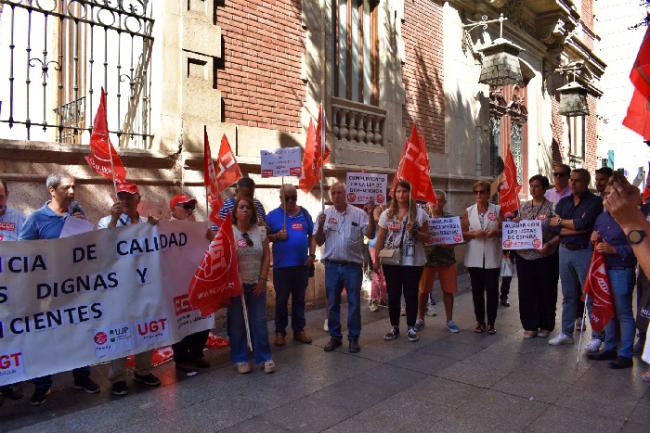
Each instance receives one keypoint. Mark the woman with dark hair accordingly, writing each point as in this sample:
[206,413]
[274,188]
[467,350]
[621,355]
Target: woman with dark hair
[399,251]
[253,258]
[482,229]
[538,269]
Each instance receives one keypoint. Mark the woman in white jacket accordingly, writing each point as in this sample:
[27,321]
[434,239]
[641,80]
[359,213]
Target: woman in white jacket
[482,230]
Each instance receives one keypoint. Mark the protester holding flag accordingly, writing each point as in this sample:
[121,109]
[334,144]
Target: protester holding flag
[441,264]
[610,240]
[482,229]
[537,269]
[291,227]
[253,257]
[124,212]
[245,187]
[341,229]
[574,220]
[47,223]
[403,229]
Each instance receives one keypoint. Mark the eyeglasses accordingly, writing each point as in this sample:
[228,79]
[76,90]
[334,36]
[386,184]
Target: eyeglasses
[189,207]
[248,240]
[481,191]
[291,197]
[556,174]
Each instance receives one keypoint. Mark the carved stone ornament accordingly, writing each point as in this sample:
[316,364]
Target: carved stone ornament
[498,105]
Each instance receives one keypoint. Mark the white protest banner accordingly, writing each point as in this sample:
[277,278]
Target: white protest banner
[524,235]
[445,231]
[285,161]
[366,188]
[81,300]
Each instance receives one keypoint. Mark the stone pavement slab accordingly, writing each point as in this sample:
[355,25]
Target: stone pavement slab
[465,383]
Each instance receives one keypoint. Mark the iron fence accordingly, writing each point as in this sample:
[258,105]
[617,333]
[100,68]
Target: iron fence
[57,54]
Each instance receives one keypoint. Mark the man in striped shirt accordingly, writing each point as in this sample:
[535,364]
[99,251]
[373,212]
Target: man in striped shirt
[245,188]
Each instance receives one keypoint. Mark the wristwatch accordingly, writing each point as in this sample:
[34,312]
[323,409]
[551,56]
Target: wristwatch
[635,237]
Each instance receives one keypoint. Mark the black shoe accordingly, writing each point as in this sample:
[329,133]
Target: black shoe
[120,389]
[620,363]
[504,302]
[393,334]
[187,368]
[39,396]
[11,393]
[354,345]
[607,355]
[332,344]
[87,385]
[146,379]
[201,363]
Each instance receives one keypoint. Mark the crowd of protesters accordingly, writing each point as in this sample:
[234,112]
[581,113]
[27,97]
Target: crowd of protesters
[404,265]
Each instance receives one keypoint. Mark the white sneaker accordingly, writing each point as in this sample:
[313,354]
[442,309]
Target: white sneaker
[560,339]
[593,346]
[431,311]
[326,328]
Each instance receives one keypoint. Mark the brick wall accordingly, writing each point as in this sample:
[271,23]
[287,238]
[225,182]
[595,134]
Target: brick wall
[591,138]
[423,72]
[259,77]
[587,13]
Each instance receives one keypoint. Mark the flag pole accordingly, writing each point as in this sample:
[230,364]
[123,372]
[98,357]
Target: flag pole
[207,200]
[248,329]
[284,205]
[322,158]
[110,156]
[584,317]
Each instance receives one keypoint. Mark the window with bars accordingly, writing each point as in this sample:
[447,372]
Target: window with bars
[357,48]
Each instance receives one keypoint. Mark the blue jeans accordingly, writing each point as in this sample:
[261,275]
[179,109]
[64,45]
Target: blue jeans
[622,281]
[291,281]
[338,276]
[256,308]
[45,382]
[574,265]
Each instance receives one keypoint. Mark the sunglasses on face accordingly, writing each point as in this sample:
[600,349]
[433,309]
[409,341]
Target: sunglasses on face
[556,174]
[189,207]
[247,238]
[291,197]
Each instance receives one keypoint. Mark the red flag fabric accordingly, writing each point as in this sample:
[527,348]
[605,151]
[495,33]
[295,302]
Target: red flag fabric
[220,175]
[315,156]
[638,115]
[509,191]
[414,168]
[101,149]
[640,74]
[216,280]
[599,289]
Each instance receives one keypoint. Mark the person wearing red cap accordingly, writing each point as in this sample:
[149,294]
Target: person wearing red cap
[124,212]
[188,353]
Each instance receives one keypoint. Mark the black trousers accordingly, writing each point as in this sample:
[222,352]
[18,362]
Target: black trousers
[538,292]
[485,280]
[190,348]
[402,280]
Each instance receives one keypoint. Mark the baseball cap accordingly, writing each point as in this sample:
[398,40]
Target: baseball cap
[181,199]
[129,187]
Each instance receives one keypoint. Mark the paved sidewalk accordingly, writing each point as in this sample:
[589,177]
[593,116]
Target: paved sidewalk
[445,383]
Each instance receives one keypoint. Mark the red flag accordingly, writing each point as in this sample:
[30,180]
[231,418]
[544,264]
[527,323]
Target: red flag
[217,177]
[509,191]
[101,149]
[640,74]
[598,288]
[313,159]
[638,115]
[414,168]
[216,280]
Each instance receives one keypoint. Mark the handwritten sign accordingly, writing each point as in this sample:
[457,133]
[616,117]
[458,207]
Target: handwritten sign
[445,231]
[284,161]
[366,188]
[524,235]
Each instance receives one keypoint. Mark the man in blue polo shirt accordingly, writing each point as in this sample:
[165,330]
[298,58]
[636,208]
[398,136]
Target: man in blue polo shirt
[47,223]
[290,230]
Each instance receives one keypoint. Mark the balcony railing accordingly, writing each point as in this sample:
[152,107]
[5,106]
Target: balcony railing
[357,124]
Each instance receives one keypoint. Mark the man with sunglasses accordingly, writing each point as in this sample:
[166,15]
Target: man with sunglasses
[574,221]
[290,230]
[561,189]
[188,353]
[341,229]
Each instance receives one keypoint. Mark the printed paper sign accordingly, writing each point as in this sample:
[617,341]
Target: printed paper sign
[524,235]
[445,231]
[285,161]
[366,188]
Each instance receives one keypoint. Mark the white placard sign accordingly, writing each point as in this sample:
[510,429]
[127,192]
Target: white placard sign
[94,297]
[445,231]
[366,188]
[285,161]
[524,235]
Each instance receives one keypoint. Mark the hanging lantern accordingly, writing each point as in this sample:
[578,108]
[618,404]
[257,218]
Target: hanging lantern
[501,63]
[573,100]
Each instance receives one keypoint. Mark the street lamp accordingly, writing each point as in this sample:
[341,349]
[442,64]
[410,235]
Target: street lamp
[500,60]
[573,96]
